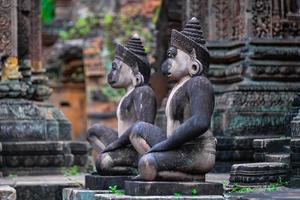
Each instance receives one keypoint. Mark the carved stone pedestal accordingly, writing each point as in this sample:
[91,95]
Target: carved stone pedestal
[98,182]
[257,174]
[139,188]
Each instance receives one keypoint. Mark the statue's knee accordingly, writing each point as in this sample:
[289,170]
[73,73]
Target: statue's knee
[104,162]
[137,131]
[93,131]
[148,167]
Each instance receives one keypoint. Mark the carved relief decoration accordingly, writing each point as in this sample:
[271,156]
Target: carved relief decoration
[261,16]
[5,24]
[199,9]
[275,18]
[35,38]
[23,28]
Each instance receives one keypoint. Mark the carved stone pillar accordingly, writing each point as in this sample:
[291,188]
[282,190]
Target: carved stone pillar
[9,66]
[39,80]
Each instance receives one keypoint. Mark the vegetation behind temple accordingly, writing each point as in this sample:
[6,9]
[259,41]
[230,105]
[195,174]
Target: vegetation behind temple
[114,27]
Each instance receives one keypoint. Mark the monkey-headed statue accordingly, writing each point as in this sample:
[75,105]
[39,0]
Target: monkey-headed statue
[187,151]
[130,70]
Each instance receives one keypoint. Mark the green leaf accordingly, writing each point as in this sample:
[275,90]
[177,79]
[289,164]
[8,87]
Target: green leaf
[107,20]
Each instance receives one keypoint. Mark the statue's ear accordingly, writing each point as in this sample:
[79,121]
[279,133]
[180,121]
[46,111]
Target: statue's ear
[196,68]
[193,54]
[138,77]
[135,68]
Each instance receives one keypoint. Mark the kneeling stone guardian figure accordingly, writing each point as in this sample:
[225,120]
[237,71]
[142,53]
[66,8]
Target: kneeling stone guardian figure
[187,151]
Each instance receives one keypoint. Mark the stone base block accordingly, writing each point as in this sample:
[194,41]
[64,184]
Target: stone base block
[7,193]
[170,197]
[81,194]
[157,188]
[97,182]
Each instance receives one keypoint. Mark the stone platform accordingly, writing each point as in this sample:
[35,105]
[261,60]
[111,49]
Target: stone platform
[41,187]
[170,197]
[42,157]
[159,188]
[98,182]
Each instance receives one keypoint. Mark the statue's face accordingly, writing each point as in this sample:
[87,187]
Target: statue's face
[120,75]
[177,64]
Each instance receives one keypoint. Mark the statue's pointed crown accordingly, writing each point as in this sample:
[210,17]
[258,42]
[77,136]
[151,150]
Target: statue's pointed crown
[134,52]
[191,37]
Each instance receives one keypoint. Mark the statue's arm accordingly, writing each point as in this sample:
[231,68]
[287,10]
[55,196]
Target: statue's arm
[145,110]
[145,104]
[202,104]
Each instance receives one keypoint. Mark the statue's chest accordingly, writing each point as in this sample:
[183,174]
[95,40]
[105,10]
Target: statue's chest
[178,106]
[125,108]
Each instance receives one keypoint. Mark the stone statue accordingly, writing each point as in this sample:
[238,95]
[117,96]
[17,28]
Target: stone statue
[130,70]
[187,151]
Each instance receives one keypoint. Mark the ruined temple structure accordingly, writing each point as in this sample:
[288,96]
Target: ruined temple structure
[35,135]
[254,47]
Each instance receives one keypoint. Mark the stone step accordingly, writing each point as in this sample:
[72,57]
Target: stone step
[284,158]
[272,145]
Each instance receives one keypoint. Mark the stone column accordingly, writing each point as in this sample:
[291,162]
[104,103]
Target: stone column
[8,49]
[39,80]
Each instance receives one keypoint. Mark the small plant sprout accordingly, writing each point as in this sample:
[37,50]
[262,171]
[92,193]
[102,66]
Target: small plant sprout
[114,190]
[72,171]
[12,175]
[177,194]
[194,191]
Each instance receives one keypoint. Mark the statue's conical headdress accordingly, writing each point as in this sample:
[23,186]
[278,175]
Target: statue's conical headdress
[191,37]
[134,52]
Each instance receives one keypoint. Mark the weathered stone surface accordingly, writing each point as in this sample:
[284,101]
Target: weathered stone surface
[271,145]
[36,158]
[252,174]
[36,148]
[97,182]
[81,194]
[42,187]
[234,143]
[235,155]
[157,188]
[284,158]
[280,194]
[153,197]
[7,193]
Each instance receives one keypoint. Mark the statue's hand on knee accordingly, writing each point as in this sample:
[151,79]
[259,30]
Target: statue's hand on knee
[162,146]
[112,146]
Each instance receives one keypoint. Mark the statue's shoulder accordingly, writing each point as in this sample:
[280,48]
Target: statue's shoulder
[200,83]
[144,89]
